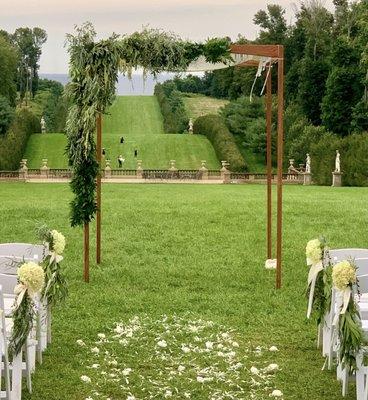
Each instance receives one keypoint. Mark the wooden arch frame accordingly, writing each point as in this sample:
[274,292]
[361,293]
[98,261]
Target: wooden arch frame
[276,55]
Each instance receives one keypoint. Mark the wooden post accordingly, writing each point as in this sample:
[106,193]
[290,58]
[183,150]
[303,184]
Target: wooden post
[280,150]
[86,252]
[269,162]
[98,188]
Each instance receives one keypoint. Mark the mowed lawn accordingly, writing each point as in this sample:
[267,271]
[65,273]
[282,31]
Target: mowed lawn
[197,249]
[138,119]
[198,105]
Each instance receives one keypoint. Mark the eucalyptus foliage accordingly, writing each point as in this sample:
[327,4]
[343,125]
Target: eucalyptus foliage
[23,318]
[94,68]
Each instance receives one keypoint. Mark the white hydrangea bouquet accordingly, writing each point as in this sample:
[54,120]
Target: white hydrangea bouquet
[348,317]
[31,279]
[55,289]
[319,278]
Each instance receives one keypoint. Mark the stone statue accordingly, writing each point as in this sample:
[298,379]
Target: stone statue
[190,125]
[308,164]
[43,125]
[337,162]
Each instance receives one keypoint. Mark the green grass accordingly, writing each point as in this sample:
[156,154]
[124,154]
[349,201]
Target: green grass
[198,105]
[139,120]
[196,249]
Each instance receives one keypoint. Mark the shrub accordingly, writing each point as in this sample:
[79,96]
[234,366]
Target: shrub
[213,126]
[172,107]
[6,115]
[354,160]
[12,145]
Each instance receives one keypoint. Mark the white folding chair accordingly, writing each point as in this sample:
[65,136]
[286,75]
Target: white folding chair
[4,355]
[338,255]
[24,250]
[9,266]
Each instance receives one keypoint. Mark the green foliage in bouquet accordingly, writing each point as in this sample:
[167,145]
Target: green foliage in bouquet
[23,318]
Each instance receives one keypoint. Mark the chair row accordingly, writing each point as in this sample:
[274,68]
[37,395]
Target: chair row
[330,342]
[24,363]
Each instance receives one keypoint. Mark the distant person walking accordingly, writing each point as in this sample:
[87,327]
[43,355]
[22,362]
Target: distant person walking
[120,161]
[122,140]
[135,153]
[103,151]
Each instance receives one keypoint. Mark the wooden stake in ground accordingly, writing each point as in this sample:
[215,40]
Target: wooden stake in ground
[86,252]
[269,162]
[98,188]
[280,150]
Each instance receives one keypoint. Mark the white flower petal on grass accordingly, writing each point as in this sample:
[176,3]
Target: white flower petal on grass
[80,342]
[95,366]
[271,368]
[101,336]
[254,371]
[276,393]
[162,343]
[130,397]
[273,349]
[95,350]
[235,344]
[168,393]
[181,368]
[89,398]
[185,349]
[126,371]
[85,378]
[209,345]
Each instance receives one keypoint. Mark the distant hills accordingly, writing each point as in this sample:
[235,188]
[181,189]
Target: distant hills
[125,87]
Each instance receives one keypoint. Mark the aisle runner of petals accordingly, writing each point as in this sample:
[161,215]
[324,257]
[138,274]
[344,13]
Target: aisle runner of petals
[175,357]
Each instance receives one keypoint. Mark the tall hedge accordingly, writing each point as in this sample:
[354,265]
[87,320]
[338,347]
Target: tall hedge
[172,107]
[13,144]
[213,126]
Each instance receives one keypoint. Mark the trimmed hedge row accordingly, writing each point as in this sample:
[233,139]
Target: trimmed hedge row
[13,144]
[172,107]
[213,126]
[354,159]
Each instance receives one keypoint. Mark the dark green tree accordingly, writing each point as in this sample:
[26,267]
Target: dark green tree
[344,88]
[29,42]
[273,24]
[8,70]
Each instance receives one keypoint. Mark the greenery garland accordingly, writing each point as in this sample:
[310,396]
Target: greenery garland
[55,290]
[94,68]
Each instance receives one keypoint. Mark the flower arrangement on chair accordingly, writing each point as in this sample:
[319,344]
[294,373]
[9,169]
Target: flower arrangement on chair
[319,278]
[347,318]
[31,278]
[55,290]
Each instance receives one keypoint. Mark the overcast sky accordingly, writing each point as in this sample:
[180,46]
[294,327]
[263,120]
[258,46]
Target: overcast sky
[191,19]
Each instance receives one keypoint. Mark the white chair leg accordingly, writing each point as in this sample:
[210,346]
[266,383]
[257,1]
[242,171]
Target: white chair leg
[39,336]
[49,325]
[345,381]
[16,380]
[28,367]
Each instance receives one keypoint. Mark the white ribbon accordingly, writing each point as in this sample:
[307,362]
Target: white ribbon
[314,270]
[20,290]
[345,294]
[55,257]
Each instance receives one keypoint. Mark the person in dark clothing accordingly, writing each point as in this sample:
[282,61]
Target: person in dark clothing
[120,161]
[135,153]
[122,140]
[103,151]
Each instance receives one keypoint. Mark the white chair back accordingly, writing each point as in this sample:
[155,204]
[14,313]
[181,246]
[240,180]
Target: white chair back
[362,266]
[35,252]
[8,283]
[9,264]
[363,283]
[338,255]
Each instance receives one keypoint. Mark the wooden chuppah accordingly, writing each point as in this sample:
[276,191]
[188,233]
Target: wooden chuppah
[253,55]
